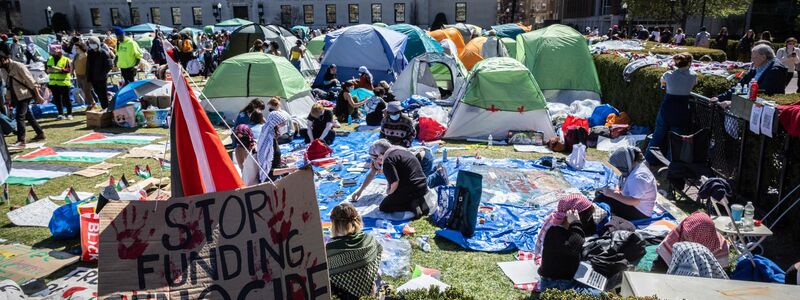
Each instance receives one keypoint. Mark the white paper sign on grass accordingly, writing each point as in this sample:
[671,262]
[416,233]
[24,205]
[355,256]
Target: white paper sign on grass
[520,272]
[36,214]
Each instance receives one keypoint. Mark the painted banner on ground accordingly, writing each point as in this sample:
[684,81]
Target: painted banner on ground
[260,242]
[22,263]
[80,284]
[93,155]
[110,138]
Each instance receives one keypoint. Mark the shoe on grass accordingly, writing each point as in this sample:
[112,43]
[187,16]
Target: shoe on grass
[60,117]
[38,138]
[69,117]
[18,145]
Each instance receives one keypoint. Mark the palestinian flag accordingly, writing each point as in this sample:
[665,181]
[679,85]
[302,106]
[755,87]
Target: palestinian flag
[119,185]
[36,174]
[72,196]
[31,197]
[109,138]
[165,164]
[91,155]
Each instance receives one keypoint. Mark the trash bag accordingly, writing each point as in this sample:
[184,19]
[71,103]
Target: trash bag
[577,159]
[430,129]
[396,256]
[66,222]
[434,112]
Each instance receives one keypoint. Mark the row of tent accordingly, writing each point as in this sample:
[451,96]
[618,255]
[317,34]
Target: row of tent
[499,94]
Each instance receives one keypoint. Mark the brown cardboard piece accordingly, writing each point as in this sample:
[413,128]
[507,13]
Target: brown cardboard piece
[260,242]
[22,263]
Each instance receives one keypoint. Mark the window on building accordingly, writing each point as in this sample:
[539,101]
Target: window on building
[135,16]
[377,13]
[352,13]
[95,13]
[176,16]
[286,14]
[461,11]
[330,13]
[155,15]
[197,15]
[308,14]
[17,6]
[399,12]
[115,18]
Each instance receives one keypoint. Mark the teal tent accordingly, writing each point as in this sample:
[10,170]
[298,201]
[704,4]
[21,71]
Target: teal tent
[147,27]
[418,43]
[231,24]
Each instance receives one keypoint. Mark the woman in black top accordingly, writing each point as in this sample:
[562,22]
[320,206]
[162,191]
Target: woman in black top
[346,105]
[320,125]
[745,44]
[329,81]
[560,243]
[375,107]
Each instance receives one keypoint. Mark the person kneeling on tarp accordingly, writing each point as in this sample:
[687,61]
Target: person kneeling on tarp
[353,256]
[407,184]
[636,195]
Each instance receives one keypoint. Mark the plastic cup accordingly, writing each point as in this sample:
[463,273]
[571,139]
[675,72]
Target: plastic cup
[737,211]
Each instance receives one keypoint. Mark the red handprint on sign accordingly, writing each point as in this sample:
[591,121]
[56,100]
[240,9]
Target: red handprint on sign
[130,242]
[279,225]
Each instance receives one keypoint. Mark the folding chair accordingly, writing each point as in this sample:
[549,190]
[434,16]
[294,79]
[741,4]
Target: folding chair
[730,230]
[688,161]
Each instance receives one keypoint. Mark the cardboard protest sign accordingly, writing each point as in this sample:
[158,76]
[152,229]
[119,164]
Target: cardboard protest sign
[260,242]
[21,263]
[79,284]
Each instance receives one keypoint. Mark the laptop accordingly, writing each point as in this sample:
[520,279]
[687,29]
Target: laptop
[589,277]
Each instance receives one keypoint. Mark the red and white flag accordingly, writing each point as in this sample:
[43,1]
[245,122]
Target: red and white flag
[203,163]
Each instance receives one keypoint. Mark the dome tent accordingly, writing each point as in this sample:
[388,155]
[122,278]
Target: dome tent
[418,41]
[378,49]
[472,52]
[315,45]
[450,34]
[426,74]
[500,95]
[242,39]
[562,80]
[243,77]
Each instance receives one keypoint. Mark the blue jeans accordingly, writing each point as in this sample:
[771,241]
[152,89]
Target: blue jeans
[566,284]
[426,160]
[673,115]
[296,64]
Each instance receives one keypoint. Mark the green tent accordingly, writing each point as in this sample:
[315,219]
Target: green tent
[233,23]
[511,46]
[145,42]
[499,82]
[559,59]
[241,78]
[315,45]
[255,74]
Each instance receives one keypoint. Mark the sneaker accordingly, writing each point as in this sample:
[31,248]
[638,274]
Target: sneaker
[18,145]
[69,117]
[60,117]
[38,138]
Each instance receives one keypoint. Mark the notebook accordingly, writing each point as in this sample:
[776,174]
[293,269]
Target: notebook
[589,277]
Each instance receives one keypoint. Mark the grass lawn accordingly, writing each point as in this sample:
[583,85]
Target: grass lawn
[475,272]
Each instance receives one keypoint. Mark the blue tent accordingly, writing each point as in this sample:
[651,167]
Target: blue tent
[378,49]
[419,42]
[508,30]
[147,27]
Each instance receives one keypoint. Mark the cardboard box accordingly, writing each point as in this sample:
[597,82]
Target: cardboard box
[99,119]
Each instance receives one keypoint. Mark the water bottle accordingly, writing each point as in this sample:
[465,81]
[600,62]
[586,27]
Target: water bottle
[423,244]
[444,154]
[738,89]
[749,212]
[349,119]
[745,89]
[491,141]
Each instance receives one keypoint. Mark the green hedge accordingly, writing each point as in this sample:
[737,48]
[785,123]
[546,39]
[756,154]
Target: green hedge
[732,49]
[642,96]
[553,294]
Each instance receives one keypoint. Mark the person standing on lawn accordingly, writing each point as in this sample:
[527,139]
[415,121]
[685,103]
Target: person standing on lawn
[722,39]
[703,38]
[59,68]
[128,56]
[98,64]
[296,53]
[79,67]
[22,89]
[745,44]
[674,111]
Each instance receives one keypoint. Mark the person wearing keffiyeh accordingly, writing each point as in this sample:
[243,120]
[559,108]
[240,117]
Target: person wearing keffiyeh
[693,259]
[354,257]
[267,149]
[697,228]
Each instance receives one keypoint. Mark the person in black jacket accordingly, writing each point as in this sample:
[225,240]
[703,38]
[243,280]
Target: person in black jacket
[767,71]
[98,64]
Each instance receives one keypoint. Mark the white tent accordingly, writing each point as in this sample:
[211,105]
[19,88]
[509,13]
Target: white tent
[500,96]
[426,74]
[309,66]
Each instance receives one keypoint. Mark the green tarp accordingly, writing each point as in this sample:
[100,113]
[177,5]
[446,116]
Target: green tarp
[255,74]
[503,83]
[559,59]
